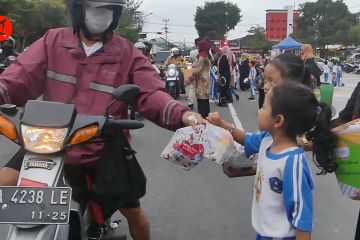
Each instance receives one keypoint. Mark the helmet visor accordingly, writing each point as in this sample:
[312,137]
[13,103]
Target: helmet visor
[99,3]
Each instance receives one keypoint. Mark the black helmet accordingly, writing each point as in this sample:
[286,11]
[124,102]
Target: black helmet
[76,14]
[148,46]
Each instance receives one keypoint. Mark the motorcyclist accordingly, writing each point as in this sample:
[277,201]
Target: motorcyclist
[83,65]
[176,58]
[8,49]
[145,50]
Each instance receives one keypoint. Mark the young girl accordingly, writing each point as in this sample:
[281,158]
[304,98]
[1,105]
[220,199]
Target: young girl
[282,203]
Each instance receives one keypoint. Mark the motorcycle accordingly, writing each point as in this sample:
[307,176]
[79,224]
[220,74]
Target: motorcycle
[172,81]
[7,62]
[42,205]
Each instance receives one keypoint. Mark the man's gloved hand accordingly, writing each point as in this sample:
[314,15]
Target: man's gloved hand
[192,119]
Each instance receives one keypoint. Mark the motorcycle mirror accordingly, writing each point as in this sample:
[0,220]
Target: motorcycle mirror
[125,93]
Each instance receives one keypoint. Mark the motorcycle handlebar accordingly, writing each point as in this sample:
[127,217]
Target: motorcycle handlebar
[111,126]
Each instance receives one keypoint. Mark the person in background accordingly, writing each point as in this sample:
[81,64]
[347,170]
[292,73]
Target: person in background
[177,59]
[143,48]
[214,88]
[307,55]
[252,80]
[338,75]
[224,71]
[201,78]
[326,70]
[244,70]
[193,58]
[282,205]
[260,80]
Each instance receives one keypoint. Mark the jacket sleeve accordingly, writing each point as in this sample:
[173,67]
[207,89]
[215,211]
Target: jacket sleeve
[25,79]
[153,103]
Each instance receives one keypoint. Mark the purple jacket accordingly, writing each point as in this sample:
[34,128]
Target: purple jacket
[57,67]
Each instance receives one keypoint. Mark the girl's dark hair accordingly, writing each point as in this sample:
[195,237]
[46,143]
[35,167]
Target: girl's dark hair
[303,114]
[292,67]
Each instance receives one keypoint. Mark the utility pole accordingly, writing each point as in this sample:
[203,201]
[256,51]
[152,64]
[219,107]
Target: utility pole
[166,32]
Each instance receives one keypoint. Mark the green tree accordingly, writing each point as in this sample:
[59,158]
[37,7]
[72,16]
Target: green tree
[325,22]
[131,22]
[215,19]
[31,19]
[259,38]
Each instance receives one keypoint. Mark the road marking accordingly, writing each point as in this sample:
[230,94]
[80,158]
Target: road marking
[1,200]
[235,117]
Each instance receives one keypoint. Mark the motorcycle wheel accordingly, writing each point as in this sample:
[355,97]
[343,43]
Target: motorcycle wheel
[172,91]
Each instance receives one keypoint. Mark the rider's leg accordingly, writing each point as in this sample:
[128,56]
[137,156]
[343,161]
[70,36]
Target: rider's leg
[138,223]
[8,176]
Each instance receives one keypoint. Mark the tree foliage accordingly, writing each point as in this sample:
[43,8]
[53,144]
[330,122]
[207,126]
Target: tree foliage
[325,22]
[131,22]
[32,18]
[259,38]
[215,19]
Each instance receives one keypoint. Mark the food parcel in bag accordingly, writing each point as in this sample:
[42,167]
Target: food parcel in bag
[189,146]
[348,157]
[223,148]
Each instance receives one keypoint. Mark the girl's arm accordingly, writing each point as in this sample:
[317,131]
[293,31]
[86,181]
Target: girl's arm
[238,135]
[300,235]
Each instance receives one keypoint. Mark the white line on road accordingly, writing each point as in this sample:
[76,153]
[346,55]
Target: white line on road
[235,117]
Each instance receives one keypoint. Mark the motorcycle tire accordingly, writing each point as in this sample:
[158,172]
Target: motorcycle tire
[172,91]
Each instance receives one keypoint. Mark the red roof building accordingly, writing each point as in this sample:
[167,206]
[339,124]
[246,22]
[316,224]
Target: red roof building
[277,23]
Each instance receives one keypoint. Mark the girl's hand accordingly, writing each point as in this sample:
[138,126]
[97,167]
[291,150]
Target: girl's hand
[214,118]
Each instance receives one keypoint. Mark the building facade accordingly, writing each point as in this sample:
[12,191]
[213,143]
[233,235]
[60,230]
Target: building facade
[279,23]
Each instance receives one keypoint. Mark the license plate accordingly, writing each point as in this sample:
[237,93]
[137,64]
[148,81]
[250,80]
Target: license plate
[34,205]
[171,84]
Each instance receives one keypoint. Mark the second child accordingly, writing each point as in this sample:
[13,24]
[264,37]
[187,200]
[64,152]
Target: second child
[282,205]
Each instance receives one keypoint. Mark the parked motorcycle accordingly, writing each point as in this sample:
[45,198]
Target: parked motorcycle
[172,81]
[42,205]
[7,62]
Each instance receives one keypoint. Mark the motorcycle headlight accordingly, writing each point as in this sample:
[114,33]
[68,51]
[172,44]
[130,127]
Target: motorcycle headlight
[171,72]
[42,139]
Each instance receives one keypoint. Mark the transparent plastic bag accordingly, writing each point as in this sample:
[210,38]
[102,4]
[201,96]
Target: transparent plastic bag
[239,160]
[222,144]
[187,147]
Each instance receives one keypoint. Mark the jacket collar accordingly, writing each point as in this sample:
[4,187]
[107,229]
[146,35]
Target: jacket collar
[71,41]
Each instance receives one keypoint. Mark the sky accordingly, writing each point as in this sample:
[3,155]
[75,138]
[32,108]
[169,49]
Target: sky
[181,16]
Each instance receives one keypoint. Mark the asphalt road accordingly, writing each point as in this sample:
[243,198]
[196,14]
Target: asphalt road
[204,204]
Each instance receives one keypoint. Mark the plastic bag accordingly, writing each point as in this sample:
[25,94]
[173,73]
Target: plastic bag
[239,160]
[187,147]
[222,144]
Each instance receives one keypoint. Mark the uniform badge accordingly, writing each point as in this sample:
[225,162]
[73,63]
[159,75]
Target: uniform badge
[276,184]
